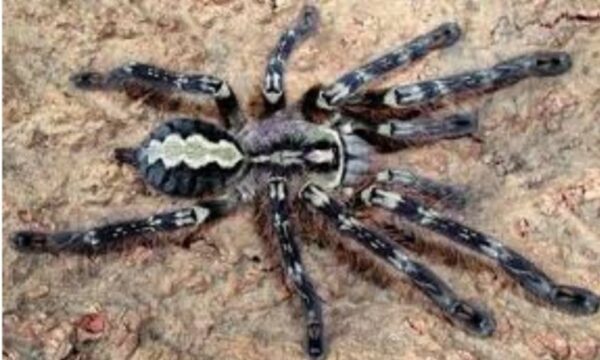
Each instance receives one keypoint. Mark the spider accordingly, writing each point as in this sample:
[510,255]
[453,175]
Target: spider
[320,145]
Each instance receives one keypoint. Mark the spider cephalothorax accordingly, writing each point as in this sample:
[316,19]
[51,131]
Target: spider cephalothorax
[320,145]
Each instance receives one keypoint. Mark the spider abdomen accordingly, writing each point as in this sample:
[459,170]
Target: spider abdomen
[188,157]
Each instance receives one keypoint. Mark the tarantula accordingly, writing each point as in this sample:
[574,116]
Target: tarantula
[314,147]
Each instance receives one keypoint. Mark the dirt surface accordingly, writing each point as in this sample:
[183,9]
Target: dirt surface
[534,180]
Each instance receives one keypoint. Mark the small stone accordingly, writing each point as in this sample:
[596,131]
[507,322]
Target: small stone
[549,343]
[91,326]
[37,293]
[124,339]
[57,342]
[460,355]
[523,227]
[587,349]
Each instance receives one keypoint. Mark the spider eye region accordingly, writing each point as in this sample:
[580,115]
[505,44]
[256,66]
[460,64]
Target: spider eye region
[187,157]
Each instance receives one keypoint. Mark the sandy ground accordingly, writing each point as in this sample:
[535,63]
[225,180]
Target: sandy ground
[534,180]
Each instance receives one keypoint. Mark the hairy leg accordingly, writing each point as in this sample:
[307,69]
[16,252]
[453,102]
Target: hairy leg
[415,131]
[293,267]
[165,80]
[459,311]
[506,73]
[450,195]
[348,84]
[103,237]
[273,91]
[567,298]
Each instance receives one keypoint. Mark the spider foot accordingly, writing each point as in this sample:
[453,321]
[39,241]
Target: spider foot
[550,63]
[38,242]
[113,80]
[575,300]
[472,318]
[70,241]
[315,343]
[308,21]
[88,80]
[447,34]
[28,241]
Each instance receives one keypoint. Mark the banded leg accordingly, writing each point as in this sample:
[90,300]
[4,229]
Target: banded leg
[292,265]
[349,83]
[273,86]
[452,195]
[567,298]
[459,311]
[103,237]
[506,73]
[165,80]
[418,130]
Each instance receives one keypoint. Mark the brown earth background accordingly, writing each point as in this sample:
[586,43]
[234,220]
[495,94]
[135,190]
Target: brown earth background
[534,180]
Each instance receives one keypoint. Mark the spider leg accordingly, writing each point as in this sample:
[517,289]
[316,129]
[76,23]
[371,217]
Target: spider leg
[166,80]
[293,267]
[101,238]
[472,318]
[273,86]
[567,298]
[452,195]
[503,74]
[414,131]
[348,84]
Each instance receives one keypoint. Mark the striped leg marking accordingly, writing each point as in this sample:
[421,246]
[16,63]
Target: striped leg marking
[568,298]
[501,75]
[349,83]
[454,196]
[421,130]
[294,270]
[165,80]
[103,237]
[273,86]
[459,311]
